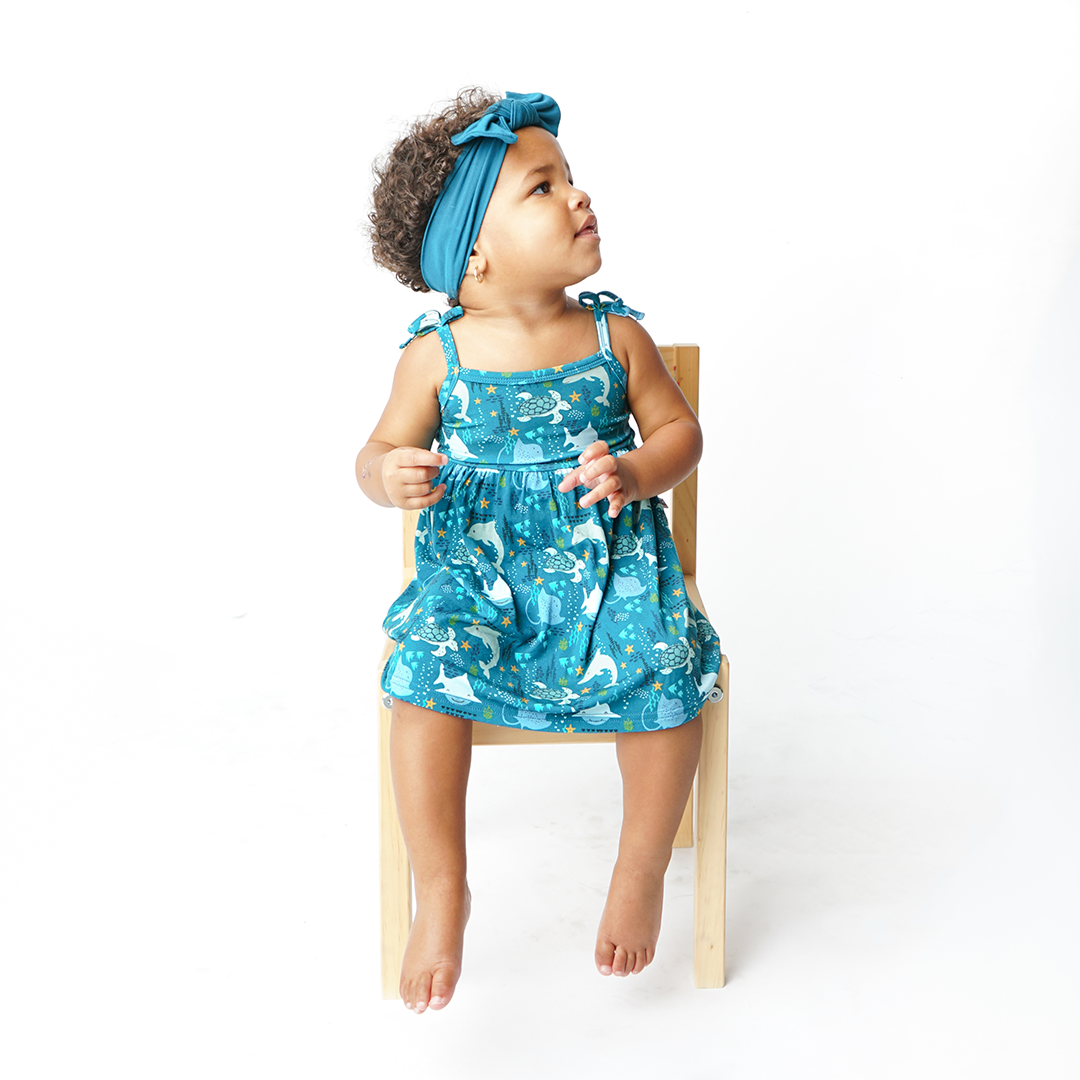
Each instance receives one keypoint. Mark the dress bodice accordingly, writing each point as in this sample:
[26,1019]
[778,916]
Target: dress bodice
[542,418]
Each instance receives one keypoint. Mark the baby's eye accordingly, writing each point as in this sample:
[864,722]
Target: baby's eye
[543,187]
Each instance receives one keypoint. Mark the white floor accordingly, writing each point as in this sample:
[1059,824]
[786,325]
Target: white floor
[190,874]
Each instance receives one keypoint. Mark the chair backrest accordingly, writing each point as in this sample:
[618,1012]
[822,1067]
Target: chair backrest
[682,362]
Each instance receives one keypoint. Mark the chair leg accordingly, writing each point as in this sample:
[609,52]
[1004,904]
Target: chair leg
[395,877]
[710,854]
[685,835]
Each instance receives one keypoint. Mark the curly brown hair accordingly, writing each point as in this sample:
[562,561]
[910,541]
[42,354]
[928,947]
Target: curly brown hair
[408,179]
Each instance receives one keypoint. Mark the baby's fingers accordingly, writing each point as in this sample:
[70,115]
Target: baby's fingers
[593,451]
[604,488]
[418,496]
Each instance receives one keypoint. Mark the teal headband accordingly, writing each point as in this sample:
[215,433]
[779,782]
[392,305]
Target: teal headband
[459,210]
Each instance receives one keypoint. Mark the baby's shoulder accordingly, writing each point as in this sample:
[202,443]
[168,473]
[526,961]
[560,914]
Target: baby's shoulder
[421,362]
[629,339]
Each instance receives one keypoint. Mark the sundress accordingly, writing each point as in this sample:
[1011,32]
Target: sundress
[528,610]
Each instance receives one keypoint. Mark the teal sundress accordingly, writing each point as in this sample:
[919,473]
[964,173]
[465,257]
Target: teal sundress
[528,610]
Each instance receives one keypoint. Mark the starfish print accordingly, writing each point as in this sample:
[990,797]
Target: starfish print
[575,396]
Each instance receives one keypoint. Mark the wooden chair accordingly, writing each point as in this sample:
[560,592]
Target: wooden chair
[710,786]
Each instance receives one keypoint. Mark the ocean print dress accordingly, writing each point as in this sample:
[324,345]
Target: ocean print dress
[528,610]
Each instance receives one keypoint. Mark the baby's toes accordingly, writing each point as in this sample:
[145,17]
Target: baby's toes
[620,965]
[605,957]
[417,993]
[442,988]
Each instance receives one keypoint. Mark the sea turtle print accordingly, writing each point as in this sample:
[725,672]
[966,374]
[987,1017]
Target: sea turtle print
[528,610]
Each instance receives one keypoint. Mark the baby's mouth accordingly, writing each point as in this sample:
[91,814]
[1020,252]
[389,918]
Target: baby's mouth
[588,229]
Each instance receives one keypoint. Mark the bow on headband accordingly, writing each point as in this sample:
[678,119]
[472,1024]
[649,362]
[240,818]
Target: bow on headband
[459,210]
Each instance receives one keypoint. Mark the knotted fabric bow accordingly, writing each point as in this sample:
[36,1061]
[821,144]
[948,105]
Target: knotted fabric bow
[459,210]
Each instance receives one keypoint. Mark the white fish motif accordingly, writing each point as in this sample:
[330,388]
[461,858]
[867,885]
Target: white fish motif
[491,639]
[457,446]
[486,532]
[597,714]
[585,437]
[590,530]
[499,593]
[458,689]
[592,601]
[600,664]
[461,392]
[594,373]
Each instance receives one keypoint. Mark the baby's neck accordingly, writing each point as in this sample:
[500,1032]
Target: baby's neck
[531,330]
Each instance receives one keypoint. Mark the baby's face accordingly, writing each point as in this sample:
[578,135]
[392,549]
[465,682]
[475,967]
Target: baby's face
[539,230]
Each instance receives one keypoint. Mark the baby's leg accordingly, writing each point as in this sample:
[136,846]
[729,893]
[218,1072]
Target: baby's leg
[658,772]
[430,754]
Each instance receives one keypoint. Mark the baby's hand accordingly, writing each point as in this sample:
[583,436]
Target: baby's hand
[608,478]
[407,472]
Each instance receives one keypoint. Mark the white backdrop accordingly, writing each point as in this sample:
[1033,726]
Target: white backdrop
[869,219]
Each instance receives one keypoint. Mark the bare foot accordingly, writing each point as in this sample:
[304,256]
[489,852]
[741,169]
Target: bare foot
[432,963]
[630,925]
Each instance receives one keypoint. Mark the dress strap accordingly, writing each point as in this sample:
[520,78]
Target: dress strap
[433,320]
[601,308]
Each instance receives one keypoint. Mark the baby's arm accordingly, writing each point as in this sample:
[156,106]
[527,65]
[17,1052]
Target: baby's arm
[670,433]
[396,466]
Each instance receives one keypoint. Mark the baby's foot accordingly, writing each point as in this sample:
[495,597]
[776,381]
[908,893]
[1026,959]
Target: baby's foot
[630,925]
[432,963]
